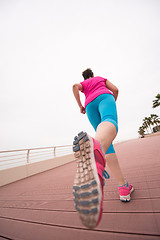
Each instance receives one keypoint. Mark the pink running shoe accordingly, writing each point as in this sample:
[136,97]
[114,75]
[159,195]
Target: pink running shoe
[125,192]
[89,179]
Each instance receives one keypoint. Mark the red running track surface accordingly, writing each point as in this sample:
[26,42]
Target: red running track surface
[41,207]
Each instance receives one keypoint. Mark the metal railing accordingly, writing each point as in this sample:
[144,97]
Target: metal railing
[14,158]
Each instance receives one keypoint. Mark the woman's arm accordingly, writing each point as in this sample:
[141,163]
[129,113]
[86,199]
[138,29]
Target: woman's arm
[113,88]
[76,88]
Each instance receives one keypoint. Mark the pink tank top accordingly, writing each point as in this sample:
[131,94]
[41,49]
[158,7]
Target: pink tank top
[93,87]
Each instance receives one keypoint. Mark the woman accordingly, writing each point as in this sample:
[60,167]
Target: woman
[93,153]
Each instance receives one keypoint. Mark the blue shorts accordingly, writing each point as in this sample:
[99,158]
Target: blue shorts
[103,109]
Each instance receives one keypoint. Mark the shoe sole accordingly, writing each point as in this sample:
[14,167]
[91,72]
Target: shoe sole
[87,187]
[128,197]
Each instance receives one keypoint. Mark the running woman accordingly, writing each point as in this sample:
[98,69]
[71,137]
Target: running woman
[93,153]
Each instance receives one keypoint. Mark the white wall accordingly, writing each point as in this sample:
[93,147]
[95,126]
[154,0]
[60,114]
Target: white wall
[16,173]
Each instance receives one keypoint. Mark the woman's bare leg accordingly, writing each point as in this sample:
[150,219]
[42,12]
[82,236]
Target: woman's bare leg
[113,164]
[105,134]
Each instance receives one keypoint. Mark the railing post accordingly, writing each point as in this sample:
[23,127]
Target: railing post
[28,156]
[54,151]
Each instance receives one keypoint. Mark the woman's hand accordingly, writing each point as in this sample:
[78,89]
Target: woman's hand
[82,110]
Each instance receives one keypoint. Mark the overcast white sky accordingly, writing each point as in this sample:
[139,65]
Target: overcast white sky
[44,47]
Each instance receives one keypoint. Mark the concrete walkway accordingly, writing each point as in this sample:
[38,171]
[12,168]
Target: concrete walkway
[41,207]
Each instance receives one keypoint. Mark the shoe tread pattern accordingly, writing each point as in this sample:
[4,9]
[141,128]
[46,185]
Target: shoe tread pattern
[85,190]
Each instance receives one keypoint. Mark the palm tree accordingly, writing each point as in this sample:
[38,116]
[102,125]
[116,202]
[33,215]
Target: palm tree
[155,119]
[141,131]
[147,123]
[150,122]
[156,102]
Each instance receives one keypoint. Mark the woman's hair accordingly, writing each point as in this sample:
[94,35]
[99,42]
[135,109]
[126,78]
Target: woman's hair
[87,73]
